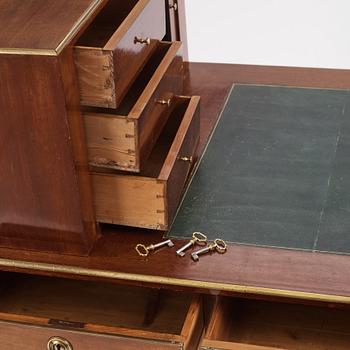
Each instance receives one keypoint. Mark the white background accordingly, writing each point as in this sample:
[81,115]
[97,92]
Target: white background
[302,33]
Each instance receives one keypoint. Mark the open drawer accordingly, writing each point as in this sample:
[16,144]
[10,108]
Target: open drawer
[114,48]
[123,138]
[150,198]
[261,325]
[38,312]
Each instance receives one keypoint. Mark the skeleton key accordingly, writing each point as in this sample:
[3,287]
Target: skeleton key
[219,245]
[197,238]
[142,250]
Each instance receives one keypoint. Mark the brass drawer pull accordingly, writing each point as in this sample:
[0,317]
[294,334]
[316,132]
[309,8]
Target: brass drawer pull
[186,159]
[57,343]
[164,102]
[173,6]
[138,40]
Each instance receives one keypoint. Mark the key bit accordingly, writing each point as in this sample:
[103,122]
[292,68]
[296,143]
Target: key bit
[197,238]
[219,246]
[143,250]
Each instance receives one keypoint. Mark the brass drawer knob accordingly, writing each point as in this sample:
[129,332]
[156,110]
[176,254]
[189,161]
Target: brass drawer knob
[57,343]
[146,41]
[164,102]
[173,6]
[186,159]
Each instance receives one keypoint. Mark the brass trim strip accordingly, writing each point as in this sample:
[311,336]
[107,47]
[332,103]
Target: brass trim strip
[82,20]
[47,52]
[73,270]
[32,52]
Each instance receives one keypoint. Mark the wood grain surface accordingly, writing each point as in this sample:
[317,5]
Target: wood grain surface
[275,75]
[45,202]
[246,324]
[242,270]
[40,24]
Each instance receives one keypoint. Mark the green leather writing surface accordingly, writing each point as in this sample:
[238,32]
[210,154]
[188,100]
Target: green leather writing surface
[276,172]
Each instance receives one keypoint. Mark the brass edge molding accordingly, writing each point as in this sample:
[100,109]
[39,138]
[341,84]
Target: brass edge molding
[55,52]
[77,26]
[31,52]
[170,281]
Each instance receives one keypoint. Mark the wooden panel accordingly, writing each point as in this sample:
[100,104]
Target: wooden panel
[193,326]
[36,338]
[270,75]
[41,24]
[121,199]
[176,170]
[146,20]
[112,140]
[40,205]
[78,143]
[95,69]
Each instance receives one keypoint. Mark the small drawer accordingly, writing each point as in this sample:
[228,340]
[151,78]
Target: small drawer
[123,138]
[115,47]
[150,199]
[239,324]
[38,312]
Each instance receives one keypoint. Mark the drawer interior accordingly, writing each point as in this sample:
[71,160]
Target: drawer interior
[249,324]
[106,23]
[137,88]
[154,165]
[97,306]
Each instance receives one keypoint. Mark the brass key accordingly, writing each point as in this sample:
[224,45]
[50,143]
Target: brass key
[142,250]
[197,238]
[219,245]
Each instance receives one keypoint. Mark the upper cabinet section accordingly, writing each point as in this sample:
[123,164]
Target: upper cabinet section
[33,25]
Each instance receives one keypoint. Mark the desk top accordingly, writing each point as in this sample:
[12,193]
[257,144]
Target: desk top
[39,26]
[242,270]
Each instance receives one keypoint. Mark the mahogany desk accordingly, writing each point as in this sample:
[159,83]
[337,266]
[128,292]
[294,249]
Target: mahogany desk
[292,277]
[242,270]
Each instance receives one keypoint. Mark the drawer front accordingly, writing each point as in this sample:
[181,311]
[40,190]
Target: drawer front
[183,157]
[19,336]
[155,114]
[124,143]
[133,50]
[106,73]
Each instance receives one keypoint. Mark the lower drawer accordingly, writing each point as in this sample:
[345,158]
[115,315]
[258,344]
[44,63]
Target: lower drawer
[55,314]
[261,325]
[150,198]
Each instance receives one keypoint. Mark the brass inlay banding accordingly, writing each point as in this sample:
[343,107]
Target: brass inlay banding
[170,281]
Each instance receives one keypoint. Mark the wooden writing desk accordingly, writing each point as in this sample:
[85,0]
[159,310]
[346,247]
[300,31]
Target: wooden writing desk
[37,65]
